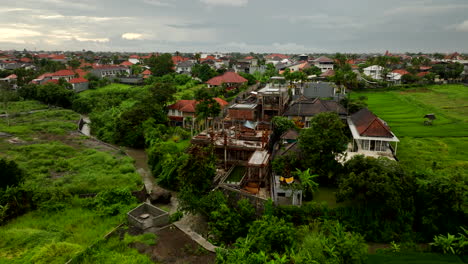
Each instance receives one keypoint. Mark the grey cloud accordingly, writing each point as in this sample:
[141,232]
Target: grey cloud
[242,25]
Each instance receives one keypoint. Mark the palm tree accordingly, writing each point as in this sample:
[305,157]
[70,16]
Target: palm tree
[307,181]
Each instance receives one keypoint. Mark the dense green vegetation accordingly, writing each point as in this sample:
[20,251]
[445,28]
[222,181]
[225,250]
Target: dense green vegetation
[43,219]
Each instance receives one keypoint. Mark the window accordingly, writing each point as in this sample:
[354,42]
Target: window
[365,144]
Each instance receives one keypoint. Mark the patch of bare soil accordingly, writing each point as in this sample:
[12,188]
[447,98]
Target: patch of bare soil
[175,247]
[15,140]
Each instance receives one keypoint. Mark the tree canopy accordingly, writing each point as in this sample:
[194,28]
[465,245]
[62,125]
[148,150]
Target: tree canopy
[161,65]
[322,142]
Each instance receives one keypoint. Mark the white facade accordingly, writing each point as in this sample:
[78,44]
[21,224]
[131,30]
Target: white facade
[324,66]
[134,60]
[394,77]
[374,71]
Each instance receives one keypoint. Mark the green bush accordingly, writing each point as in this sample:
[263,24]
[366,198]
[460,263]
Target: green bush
[113,202]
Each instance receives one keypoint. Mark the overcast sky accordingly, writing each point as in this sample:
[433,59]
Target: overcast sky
[288,26]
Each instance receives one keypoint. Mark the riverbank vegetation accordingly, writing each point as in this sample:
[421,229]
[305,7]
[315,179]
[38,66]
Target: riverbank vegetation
[43,219]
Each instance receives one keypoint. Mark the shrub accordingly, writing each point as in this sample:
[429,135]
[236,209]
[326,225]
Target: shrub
[112,202]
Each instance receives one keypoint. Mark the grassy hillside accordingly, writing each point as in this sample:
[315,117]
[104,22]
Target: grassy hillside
[441,146]
[59,164]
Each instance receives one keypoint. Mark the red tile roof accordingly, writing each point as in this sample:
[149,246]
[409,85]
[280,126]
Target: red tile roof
[57,57]
[221,102]
[207,58]
[134,57]
[368,124]
[425,68]
[25,59]
[107,67]
[422,74]
[64,73]
[189,106]
[401,72]
[177,59]
[45,75]
[184,106]
[147,72]
[78,80]
[324,59]
[12,76]
[227,77]
[249,58]
[281,56]
[81,72]
[328,73]
[126,63]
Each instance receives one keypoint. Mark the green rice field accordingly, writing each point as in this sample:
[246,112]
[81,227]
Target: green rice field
[441,146]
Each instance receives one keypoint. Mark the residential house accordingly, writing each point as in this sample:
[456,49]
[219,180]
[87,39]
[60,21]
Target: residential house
[146,73]
[184,67]
[232,80]
[126,63]
[183,111]
[303,109]
[395,76]
[11,80]
[374,71]
[178,59]
[299,66]
[324,63]
[281,193]
[134,59]
[276,58]
[371,136]
[43,78]
[65,74]
[328,73]
[79,84]
[317,90]
[102,71]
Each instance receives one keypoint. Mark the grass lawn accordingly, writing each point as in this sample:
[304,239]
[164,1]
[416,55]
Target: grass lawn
[412,258]
[441,146]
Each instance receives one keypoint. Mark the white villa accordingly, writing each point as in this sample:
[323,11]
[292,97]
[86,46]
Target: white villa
[371,136]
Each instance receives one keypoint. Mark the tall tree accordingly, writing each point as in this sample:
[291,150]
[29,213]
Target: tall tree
[161,65]
[207,105]
[321,143]
[74,64]
[162,93]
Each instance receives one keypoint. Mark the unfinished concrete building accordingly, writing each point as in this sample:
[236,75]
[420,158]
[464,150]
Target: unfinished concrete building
[273,100]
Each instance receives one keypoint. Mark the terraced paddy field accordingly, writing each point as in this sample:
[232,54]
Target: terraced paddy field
[438,147]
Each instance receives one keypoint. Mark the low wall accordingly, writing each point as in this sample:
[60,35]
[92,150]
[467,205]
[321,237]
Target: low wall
[157,218]
[234,195]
